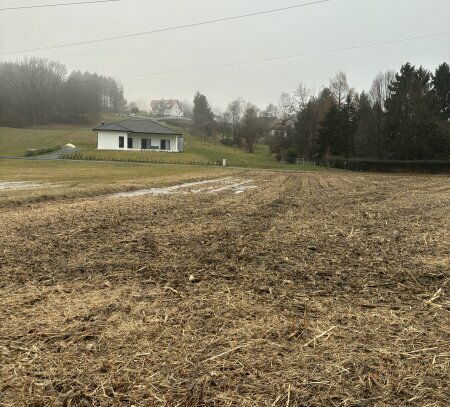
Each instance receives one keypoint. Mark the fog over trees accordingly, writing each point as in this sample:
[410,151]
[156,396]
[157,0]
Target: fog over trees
[35,91]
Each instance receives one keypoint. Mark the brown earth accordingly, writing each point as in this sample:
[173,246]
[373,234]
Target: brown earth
[316,289]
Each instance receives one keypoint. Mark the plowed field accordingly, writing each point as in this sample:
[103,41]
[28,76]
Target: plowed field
[313,289]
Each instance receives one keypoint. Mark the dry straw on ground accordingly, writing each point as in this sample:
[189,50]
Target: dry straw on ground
[312,290]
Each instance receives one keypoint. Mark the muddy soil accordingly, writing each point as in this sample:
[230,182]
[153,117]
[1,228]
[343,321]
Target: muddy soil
[314,289]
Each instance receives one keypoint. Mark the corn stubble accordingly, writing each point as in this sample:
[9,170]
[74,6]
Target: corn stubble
[312,290]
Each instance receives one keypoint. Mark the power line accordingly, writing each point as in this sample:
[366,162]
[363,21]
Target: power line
[253,61]
[57,5]
[262,60]
[160,30]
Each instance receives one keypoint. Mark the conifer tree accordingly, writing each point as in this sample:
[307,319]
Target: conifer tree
[441,83]
[203,116]
[412,113]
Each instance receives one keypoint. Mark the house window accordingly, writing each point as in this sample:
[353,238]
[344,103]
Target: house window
[165,144]
[146,144]
[130,143]
[121,142]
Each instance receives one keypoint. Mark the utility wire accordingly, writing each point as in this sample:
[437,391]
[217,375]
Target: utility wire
[254,61]
[57,5]
[160,30]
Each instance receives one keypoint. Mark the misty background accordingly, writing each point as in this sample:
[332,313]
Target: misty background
[335,24]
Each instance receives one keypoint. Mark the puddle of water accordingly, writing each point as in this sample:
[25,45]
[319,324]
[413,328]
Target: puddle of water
[232,186]
[167,190]
[13,185]
[215,185]
[245,188]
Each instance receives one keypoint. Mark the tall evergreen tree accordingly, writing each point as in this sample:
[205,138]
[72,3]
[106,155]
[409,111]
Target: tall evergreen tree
[349,116]
[308,122]
[328,143]
[365,139]
[203,116]
[305,129]
[412,112]
[441,83]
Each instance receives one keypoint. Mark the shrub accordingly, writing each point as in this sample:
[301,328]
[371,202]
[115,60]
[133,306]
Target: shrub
[395,166]
[291,156]
[227,142]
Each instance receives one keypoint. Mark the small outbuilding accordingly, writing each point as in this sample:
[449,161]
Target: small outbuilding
[138,135]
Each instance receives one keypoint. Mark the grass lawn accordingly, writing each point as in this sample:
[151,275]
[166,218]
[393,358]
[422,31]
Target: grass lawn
[70,179]
[14,141]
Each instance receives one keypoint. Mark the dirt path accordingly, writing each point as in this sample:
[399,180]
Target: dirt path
[309,290]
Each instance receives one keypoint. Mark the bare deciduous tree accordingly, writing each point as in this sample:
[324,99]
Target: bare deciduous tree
[301,95]
[235,110]
[379,91]
[250,128]
[339,88]
[224,125]
[36,90]
[268,118]
[285,106]
[31,87]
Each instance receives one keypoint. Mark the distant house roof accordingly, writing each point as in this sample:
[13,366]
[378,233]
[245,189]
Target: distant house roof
[164,104]
[283,124]
[138,126]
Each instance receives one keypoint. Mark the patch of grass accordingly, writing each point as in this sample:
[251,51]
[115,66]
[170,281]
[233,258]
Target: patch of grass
[15,142]
[89,125]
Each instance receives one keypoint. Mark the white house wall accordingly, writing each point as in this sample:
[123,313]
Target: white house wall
[109,140]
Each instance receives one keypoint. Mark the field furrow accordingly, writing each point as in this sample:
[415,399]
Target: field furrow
[312,289]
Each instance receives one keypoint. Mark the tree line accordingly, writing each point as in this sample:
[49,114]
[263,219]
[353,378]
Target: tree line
[404,116]
[36,91]
[241,125]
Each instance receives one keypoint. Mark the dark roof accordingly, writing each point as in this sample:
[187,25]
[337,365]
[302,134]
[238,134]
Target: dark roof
[164,103]
[138,126]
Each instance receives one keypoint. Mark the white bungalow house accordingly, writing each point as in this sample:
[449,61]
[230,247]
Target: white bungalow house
[138,135]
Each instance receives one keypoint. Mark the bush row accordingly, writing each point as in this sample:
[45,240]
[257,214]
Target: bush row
[395,166]
[84,156]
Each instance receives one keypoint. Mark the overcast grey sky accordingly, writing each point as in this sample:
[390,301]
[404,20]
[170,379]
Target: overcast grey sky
[336,24]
